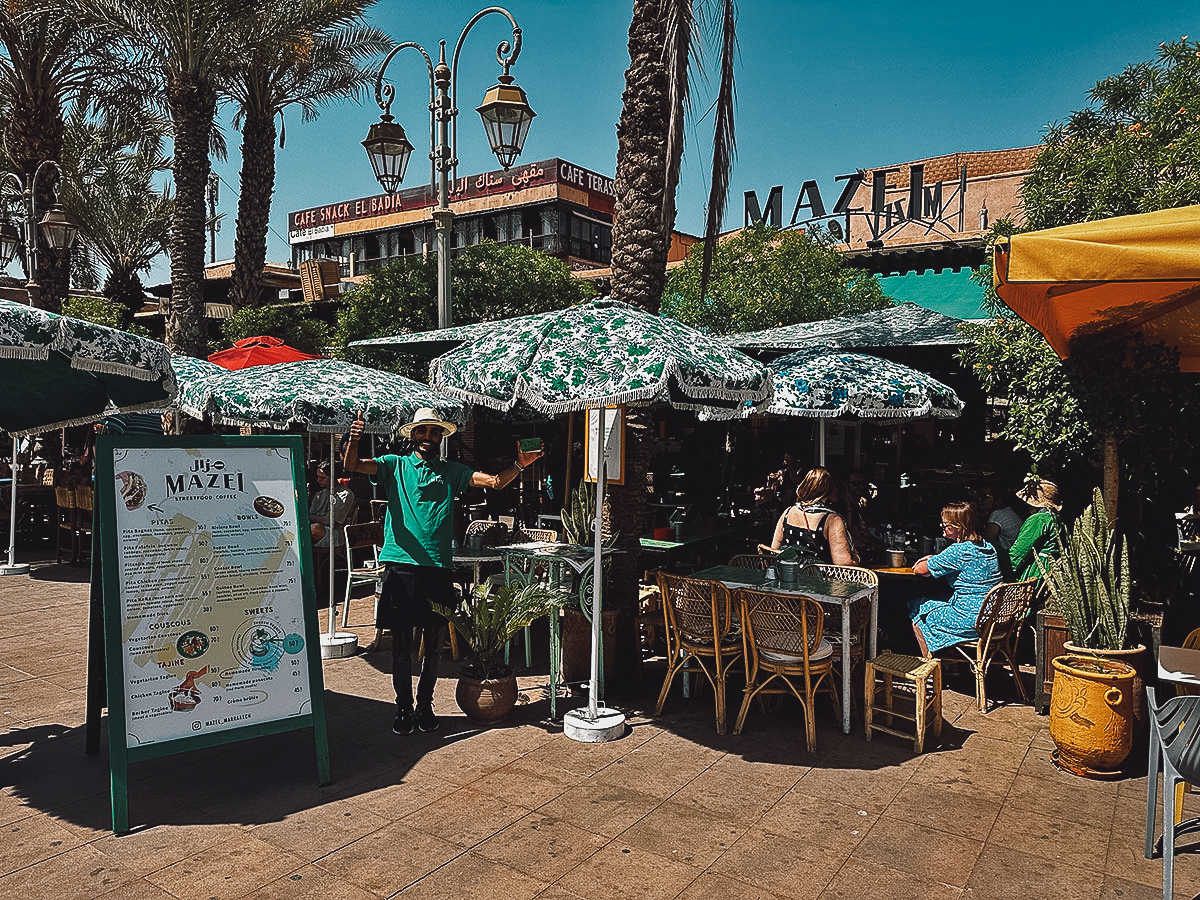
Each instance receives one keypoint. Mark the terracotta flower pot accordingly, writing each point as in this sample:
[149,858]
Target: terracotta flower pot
[1091,714]
[486,700]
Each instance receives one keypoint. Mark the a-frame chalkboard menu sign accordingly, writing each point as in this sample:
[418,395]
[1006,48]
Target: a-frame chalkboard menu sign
[203,614]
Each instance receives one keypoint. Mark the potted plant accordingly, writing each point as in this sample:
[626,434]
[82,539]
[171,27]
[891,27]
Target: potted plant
[494,615]
[1097,693]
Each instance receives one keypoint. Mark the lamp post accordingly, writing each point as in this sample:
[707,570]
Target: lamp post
[506,116]
[59,233]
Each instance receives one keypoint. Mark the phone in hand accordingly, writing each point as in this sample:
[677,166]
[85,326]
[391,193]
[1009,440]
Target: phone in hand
[530,445]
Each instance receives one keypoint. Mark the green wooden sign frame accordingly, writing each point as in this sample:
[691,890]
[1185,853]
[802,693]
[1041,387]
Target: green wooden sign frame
[105,652]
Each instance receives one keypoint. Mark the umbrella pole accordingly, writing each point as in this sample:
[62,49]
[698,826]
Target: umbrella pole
[821,444]
[597,724]
[329,534]
[12,568]
[335,644]
[566,492]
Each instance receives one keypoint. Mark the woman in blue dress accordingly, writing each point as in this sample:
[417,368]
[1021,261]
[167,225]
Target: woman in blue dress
[972,568]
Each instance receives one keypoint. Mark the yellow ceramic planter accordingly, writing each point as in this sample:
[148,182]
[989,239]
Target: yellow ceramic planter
[1091,714]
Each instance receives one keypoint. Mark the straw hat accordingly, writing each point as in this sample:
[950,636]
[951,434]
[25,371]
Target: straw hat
[1041,493]
[428,416]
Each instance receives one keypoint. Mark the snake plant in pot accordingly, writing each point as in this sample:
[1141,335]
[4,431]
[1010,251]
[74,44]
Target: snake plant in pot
[493,616]
[1097,697]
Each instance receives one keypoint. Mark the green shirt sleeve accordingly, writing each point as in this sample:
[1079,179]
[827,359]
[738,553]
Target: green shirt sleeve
[1038,538]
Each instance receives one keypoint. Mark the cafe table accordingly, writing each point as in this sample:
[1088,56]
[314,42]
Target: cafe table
[520,564]
[828,591]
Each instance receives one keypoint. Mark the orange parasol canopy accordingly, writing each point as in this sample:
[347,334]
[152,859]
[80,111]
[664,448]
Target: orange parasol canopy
[263,350]
[1129,273]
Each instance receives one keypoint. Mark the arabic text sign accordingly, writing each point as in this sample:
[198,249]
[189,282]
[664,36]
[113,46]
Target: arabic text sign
[211,611]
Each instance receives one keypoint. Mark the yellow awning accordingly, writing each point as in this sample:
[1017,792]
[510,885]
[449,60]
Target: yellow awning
[1113,276]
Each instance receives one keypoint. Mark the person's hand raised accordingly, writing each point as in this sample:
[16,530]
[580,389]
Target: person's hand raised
[357,426]
[527,457]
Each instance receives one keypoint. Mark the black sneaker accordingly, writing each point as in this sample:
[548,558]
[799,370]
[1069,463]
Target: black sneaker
[403,723]
[426,720]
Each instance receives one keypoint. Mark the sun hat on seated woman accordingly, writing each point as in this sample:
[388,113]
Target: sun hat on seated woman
[428,416]
[1041,493]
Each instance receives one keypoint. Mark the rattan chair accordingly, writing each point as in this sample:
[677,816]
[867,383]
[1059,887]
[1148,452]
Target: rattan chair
[998,626]
[860,613]
[700,629]
[493,532]
[785,653]
[64,498]
[84,499]
[521,533]
[750,561]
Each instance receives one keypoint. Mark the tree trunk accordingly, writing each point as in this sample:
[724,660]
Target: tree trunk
[639,262]
[193,106]
[1112,476]
[254,209]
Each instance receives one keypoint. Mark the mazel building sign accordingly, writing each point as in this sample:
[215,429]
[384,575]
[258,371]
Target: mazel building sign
[868,212]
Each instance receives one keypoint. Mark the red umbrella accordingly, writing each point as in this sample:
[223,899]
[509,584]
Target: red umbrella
[258,351]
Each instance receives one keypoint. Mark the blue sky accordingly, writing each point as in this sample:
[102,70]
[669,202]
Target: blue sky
[822,89]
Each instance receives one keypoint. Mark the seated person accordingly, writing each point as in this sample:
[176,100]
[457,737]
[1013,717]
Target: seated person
[812,527]
[318,509]
[1003,524]
[1040,539]
[972,567]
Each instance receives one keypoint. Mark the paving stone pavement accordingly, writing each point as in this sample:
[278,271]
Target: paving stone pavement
[672,810]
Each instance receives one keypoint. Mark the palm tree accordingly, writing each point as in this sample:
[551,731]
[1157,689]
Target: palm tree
[662,45]
[191,48]
[304,53]
[48,63]
[123,218]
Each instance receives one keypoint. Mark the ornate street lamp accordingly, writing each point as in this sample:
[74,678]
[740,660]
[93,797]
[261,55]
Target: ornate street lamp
[55,228]
[59,233]
[506,116]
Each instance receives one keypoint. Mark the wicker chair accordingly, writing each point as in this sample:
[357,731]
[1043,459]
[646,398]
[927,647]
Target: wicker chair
[699,622]
[494,533]
[64,497]
[785,653]
[535,534]
[750,561]
[998,626]
[84,500]
[860,613]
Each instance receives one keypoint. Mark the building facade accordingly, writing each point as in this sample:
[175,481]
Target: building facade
[552,205]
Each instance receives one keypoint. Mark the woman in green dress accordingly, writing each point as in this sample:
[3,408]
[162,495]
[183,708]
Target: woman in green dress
[1041,537]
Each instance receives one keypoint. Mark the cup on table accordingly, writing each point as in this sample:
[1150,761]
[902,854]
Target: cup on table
[896,559]
[475,543]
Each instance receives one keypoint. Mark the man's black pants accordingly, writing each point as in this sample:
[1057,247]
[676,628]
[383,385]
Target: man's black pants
[404,606]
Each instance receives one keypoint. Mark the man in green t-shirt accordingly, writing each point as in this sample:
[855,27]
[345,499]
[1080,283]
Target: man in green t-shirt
[418,561]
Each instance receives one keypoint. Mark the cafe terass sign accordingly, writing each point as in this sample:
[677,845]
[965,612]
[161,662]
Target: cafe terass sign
[926,214]
[585,187]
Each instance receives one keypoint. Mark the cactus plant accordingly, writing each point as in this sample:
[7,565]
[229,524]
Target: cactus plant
[1090,581]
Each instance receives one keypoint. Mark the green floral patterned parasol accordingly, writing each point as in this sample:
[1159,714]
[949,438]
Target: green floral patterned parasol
[599,352]
[321,395]
[58,371]
[825,383]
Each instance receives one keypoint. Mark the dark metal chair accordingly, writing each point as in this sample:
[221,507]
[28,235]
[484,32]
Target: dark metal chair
[1175,751]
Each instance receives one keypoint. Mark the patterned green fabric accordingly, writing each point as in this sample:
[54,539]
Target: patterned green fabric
[824,383]
[317,394]
[58,371]
[906,325]
[190,374]
[599,352]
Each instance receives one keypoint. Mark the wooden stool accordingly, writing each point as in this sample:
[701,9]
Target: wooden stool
[917,670]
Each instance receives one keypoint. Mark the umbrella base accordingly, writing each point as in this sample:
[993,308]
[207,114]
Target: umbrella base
[16,569]
[339,645]
[609,725]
